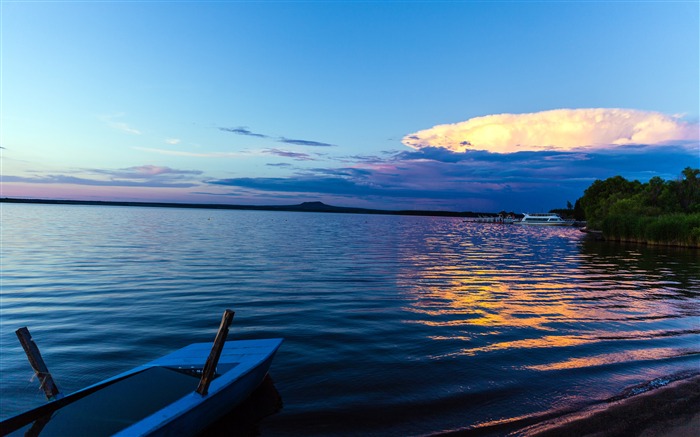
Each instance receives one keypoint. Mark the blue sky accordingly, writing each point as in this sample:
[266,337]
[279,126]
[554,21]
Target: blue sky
[468,106]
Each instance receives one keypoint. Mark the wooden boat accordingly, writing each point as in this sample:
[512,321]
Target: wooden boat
[157,398]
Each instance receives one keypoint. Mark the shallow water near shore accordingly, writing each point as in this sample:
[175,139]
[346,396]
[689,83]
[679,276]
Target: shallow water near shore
[393,325]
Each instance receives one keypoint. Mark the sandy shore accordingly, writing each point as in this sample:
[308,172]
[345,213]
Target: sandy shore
[672,410]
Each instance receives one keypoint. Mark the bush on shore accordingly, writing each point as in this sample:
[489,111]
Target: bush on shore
[656,212]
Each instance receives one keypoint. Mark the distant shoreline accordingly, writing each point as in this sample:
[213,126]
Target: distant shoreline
[302,207]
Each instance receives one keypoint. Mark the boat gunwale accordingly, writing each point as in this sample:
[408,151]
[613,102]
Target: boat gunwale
[174,360]
[180,407]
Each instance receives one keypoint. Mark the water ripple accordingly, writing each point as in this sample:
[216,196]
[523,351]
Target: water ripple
[446,323]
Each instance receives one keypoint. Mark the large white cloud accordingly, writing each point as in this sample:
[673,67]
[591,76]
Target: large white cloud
[559,129]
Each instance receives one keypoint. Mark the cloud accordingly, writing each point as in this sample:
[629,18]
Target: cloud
[431,176]
[125,128]
[309,184]
[294,155]
[112,121]
[560,129]
[146,171]
[191,154]
[245,131]
[472,180]
[74,180]
[364,159]
[411,180]
[140,176]
[242,131]
[304,142]
[172,141]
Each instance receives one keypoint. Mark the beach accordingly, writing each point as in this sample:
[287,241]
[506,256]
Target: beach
[671,410]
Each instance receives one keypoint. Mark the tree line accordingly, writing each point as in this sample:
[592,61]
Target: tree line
[657,212]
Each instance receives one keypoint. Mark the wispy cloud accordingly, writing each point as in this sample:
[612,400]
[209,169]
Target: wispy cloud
[140,176]
[304,142]
[191,154]
[114,122]
[242,131]
[287,154]
[146,172]
[66,179]
[561,129]
[309,184]
[172,141]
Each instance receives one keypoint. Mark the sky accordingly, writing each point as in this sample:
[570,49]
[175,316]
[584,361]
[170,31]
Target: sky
[442,105]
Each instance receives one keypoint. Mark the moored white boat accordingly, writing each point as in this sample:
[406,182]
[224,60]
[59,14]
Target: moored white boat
[544,219]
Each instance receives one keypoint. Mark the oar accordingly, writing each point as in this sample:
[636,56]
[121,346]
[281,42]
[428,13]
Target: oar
[215,354]
[40,369]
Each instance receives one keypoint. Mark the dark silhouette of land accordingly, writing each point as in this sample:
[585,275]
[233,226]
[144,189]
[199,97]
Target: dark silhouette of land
[302,207]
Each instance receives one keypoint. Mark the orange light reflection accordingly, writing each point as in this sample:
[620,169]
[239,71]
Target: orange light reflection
[524,308]
[612,358]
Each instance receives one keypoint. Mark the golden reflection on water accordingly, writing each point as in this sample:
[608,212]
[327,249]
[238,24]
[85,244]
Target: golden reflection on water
[465,298]
[553,341]
[611,358]
[533,289]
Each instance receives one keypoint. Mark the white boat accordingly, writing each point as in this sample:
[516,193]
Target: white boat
[157,398]
[544,219]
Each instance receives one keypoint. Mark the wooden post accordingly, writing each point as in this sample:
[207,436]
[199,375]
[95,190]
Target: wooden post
[215,354]
[40,369]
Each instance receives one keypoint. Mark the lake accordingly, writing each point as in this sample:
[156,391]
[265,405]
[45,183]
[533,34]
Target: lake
[393,325]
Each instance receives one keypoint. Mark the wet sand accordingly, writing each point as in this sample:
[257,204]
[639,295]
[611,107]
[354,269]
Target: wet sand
[672,410]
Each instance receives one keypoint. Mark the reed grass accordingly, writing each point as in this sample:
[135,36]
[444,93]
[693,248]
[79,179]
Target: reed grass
[669,229]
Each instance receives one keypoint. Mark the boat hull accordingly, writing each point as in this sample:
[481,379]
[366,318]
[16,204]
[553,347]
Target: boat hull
[193,413]
[544,219]
[157,398]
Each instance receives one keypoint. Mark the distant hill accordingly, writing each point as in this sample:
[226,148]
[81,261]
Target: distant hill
[302,207]
[322,207]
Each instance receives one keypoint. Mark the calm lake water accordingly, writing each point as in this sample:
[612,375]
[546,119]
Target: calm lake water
[393,325]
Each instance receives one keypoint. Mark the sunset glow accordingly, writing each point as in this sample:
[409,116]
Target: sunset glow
[278,103]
